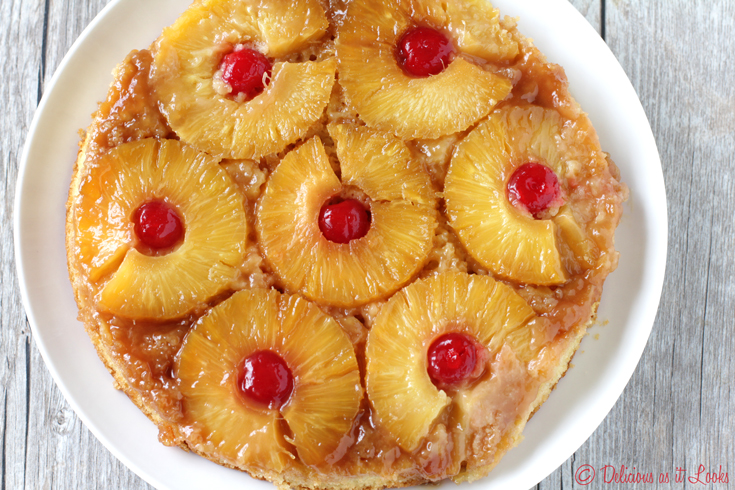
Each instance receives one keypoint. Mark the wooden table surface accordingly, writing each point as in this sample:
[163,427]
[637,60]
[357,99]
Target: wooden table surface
[678,411]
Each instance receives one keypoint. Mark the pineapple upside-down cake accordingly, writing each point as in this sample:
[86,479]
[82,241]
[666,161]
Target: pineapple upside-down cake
[341,244]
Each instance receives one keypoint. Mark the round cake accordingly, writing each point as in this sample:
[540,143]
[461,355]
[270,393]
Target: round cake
[341,244]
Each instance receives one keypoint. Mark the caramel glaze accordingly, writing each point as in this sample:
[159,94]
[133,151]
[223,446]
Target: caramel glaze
[130,112]
[595,193]
[147,350]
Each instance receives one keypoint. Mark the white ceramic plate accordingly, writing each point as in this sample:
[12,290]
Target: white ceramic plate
[578,405]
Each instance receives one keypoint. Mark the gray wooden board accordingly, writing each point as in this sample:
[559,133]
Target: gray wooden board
[678,409]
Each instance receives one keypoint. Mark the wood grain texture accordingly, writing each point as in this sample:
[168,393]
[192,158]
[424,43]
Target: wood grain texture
[682,388]
[677,411]
[21,25]
[679,408]
[591,10]
[44,445]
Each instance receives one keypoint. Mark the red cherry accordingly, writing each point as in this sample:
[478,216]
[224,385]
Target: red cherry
[424,51]
[244,71]
[344,221]
[452,358]
[533,186]
[266,379]
[158,225]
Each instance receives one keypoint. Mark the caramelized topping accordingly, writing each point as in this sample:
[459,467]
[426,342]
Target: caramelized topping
[424,51]
[453,360]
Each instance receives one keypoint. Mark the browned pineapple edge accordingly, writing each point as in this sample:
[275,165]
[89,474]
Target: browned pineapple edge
[204,248]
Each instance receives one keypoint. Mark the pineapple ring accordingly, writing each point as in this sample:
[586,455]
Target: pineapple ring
[189,52]
[509,242]
[202,266]
[389,99]
[413,318]
[362,270]
[326,395]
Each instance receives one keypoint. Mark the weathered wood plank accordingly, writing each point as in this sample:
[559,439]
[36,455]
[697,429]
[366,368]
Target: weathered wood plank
[21,40]
[592,11]
[61,451]
[560,479]
[677,410]
[44,443]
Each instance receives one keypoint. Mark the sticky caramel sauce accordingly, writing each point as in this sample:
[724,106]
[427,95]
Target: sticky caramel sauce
[130,112]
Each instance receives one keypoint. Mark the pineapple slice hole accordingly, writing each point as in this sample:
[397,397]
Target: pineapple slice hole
[455,359]
[243,74]
[342,220]
[266,379]
[159,227]
[424,51]
[534,188]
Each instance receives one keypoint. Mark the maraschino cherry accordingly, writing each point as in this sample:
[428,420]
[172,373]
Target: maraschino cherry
[534,187]
[452,358]
[423,51]
[158,225]
[266,379]
[344,221]
[246,71]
